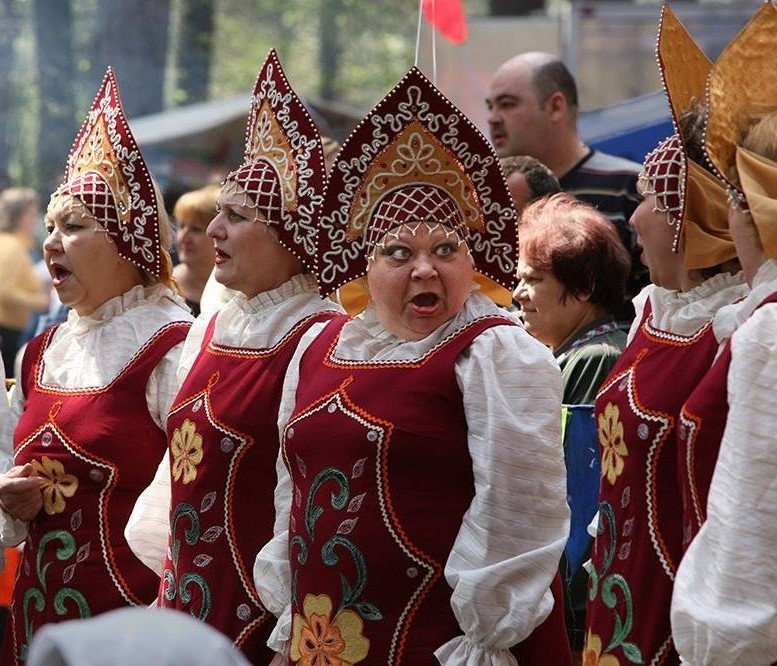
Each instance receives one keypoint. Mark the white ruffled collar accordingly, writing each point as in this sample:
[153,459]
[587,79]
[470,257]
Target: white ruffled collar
[685,312]
[302,283]
[364,338]
[129,300]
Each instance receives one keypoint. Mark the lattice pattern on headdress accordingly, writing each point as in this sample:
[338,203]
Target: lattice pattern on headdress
[414,203]
[663,174]
[415,153]
[106,172]
[283,167]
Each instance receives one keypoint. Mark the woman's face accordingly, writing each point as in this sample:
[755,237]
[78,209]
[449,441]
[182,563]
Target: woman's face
[419,280]
[194,247]
[548,317]
[84,264]
[249,257]
[656,236]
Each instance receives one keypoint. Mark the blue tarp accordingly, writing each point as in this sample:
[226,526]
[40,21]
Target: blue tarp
[630,129]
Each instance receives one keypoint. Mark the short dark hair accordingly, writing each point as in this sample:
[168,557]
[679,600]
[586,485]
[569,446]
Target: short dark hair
[554,77]
[580,246]
[541,180]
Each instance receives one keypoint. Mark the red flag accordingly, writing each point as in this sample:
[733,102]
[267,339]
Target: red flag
[448,17]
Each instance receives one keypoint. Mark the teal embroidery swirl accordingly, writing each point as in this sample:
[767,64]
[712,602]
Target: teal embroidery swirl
[610,585]
[186,596]
[38,596]
[191,535]
[338,501]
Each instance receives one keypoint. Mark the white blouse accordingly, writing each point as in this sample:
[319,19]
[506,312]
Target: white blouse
[685,312]
[249,323]
[724,606]
[500,567]
[90,351]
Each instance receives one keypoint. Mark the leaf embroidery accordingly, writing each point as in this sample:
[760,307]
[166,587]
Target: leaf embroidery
[208,501]
[202,560]
[212,533]
[67,575]
[83,551]
[346,527]
[358,468]
[356,503]
[76,519]
[303,468]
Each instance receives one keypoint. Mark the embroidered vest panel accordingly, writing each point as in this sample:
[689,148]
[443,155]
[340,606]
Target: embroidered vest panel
[638,545]
[97,449]
[223,440]
[702,422]
[382,477]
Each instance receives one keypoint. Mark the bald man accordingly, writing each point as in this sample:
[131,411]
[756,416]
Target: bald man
[532,110]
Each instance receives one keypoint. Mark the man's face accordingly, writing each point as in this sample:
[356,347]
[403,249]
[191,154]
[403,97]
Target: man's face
[516,120]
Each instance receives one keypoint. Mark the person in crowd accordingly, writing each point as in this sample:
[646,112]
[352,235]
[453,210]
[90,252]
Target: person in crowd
[723,606]
[192,213]
[417,532]
[528,179]
[683,231]
[93,396]
[572,270]
[210,508]
[21,291]
[532,110]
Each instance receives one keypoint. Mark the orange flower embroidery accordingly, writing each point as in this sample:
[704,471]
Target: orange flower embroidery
[317,641]
[613,445]
[58,485]
[186,447]
[592,653]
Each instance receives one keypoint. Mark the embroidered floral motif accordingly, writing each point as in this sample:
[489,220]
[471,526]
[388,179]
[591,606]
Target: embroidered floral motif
[316,639]
[186,448]
[613,446]
[58,485]
[592,653]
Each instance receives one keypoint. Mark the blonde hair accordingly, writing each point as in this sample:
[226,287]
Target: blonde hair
[198,205]
[761,137]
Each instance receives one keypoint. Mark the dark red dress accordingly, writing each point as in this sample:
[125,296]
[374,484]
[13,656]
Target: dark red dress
[98,449]
[702,422]
[223,437]
[382,479]
[639,541]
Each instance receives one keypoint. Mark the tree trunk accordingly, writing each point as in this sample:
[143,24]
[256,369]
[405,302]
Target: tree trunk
[195,49]
[57,120]
[133,36]
[330,48]
[9,29]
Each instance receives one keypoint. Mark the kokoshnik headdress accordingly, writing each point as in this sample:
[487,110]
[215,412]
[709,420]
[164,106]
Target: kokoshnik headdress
[106,172]
[283,172]
[693,199]
[742,90]
[415,158]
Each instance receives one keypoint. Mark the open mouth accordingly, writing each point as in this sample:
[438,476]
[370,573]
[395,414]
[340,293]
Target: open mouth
[58,274]
[425,303]
[221,256]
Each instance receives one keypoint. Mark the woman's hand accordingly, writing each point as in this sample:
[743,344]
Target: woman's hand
[20,492]
[747,241]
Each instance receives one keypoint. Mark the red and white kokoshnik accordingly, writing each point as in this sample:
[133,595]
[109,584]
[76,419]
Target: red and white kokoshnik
[107,173]
[415,158]
[283,171]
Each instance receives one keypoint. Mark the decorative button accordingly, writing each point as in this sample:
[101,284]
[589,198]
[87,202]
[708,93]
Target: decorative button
[46,438]
[412,572]
[197,406]
[96,475]
[332,408]
[643,431]
[289,433]
[227,445]
[243,612]
[372,436]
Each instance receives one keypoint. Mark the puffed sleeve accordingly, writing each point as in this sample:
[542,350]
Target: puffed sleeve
[724,606]
[512,536]
[147,529]
[12,530]
[272,573]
